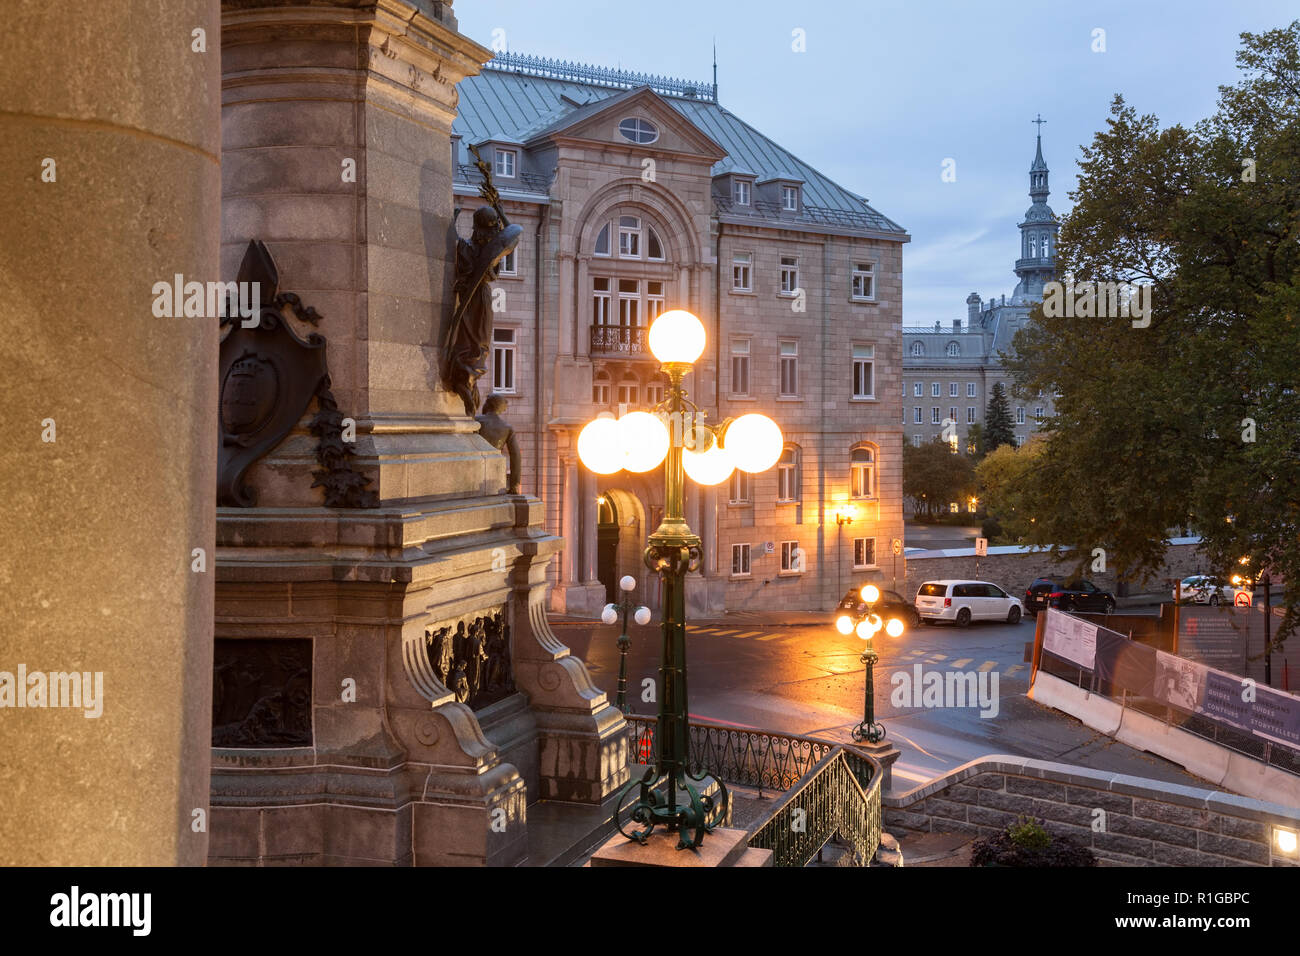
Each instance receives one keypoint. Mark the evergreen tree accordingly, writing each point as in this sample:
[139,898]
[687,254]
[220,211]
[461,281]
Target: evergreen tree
[998,429]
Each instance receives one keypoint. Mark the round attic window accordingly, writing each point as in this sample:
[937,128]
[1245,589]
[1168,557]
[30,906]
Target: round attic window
[639,131]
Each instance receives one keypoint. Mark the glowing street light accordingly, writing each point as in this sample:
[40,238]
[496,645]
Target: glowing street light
[866,623]
[610,616]
[677,436]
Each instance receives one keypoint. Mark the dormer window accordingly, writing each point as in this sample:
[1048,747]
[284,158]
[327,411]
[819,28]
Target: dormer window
[790,198]
[506,162]
[639,131]
[740,192]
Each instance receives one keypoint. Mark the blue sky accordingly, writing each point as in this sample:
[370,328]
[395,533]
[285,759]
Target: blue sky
[886,91]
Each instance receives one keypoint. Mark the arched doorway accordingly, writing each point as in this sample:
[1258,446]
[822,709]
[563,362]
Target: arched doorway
[607,546]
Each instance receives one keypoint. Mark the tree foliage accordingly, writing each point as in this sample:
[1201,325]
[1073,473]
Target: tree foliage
[998,428]
[1194,420]
[1002,478]
[933,476]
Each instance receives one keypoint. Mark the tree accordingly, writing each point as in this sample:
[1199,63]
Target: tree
[933,476]
[975,441]
[998,428]
[1002,477]
[1186,415]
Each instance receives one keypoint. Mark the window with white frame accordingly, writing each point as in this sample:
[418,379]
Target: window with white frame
[741,277]
[654,245]
[503,360]
[862,473]
[916,415]
[1020,414]
[600,390]
[789,275]
[864,371]
[970,414]
[506,163]
[935,389]
[970,389]
[740,366]
[953,349]
[789,368]
[952,414]
[654,393]
[790,198]
[600,297]
[627,391]
[739,487]
[634,129]
[1020,440]
[916,441]
[864,280]
[934,415]
[629,303]
[654,300]
[952,389]
[787,475]
[629,237]
[740,192]
[918,389]
[917,348]
[739,559]
[601,247]
[864,553]
[507,265]
[791,557]
[1038,413]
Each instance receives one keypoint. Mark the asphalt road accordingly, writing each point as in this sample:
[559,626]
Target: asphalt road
[809,681]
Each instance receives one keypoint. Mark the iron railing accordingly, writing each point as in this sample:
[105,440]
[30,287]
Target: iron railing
[619,339]
[829,789]
[599,75]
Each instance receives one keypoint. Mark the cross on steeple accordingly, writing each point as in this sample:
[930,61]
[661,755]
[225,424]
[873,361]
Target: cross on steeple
[1040,121]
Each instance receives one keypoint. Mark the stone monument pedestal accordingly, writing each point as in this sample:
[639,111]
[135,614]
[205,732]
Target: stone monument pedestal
[725,846]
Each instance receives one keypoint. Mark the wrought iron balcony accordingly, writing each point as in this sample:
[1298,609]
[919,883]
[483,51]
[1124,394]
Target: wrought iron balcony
[624,340]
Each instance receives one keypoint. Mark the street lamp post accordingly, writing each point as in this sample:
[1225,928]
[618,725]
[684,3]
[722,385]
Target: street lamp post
[677,436]
[866,624]
[609,615]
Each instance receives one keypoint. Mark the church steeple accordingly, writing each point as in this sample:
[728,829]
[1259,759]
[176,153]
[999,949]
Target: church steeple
[1037,262]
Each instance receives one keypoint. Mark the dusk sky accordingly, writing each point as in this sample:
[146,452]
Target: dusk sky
[886,91]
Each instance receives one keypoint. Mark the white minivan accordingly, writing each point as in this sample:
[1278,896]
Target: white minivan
[964,601]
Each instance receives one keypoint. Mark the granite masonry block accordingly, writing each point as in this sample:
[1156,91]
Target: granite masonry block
[1240,850]
[1036,788]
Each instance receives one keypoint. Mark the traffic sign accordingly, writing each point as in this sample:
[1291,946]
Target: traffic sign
[1242,599]
[898,546]
[981,547]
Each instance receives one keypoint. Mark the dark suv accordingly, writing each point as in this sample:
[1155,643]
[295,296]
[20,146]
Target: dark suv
[1078,595]
[891,604]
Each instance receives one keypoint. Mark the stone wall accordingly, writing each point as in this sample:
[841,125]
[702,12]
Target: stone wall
[1145,822]
[1014,572]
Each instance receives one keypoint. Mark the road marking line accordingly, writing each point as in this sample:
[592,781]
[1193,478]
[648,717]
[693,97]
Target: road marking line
[722,633]
[749,634]
[938,657]
[963,662]
[772,637]
[987,666]
[915,653]
[1017,667]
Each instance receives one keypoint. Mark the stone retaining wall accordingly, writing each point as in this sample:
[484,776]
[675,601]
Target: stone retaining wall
[1014,572]
[1145,822]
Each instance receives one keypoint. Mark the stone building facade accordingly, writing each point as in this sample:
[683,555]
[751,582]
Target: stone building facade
[639,194]
[949,374]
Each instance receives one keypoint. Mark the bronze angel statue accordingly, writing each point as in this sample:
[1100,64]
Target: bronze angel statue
[468,344]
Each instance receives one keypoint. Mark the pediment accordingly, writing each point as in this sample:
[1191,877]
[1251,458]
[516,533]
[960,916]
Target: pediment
[598,122]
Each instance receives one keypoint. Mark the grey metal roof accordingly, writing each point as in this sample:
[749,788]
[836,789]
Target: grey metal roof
[514,105]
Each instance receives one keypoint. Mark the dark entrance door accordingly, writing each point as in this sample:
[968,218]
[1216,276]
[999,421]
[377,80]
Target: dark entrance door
[607,549]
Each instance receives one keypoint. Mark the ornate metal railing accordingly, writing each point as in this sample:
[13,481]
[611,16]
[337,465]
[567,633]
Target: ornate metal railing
[840,797]
[599,75]
[619,339]
[836,788]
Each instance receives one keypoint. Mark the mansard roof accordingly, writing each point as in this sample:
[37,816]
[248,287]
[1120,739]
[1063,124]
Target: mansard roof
[517,98]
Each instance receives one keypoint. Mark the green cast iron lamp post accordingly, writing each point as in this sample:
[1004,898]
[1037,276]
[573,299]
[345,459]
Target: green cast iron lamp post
[668,793]
[866,625]
[610,615]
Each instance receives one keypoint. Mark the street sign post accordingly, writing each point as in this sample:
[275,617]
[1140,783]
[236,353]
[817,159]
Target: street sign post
[981,551]
[898,549]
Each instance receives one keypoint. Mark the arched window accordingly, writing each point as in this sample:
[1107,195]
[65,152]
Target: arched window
[954,349]
[787,475]
[1033,246]
[917,348]
[862,467]
[602,242]
[654,248]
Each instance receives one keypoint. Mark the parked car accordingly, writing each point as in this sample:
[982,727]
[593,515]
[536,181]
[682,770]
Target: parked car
[964,601]
[891,604]
[1204,589]
[1076,595]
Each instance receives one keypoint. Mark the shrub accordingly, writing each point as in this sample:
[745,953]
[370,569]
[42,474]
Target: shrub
[1027,843]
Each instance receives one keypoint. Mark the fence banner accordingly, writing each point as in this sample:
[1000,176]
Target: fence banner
[1070,638]
[1276,716]
[1180,683]
[1216,636]
[1125,665]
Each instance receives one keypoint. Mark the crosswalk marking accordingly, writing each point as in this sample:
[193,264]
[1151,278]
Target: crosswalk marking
[723,633]
[963,662]
[939,657]
[987,666]
[772,637]
[915,653]
[750,634]
[1016,667]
